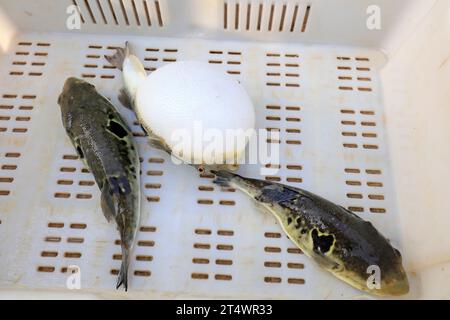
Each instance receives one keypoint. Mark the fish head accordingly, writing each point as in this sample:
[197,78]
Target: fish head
[394,281]
[251,187]
[73,89]
[384,277]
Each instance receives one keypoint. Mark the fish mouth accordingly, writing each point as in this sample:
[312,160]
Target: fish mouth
[72,81]
[396,286]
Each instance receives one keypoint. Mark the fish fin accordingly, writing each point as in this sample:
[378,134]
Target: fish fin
[109,208]
[119,57]
[156,142]
[124,99]
[276,193]
[223,177]
[123,273]
[78,149]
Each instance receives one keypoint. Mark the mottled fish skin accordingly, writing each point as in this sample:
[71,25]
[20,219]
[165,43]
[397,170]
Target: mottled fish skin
[105,144]
[337,239]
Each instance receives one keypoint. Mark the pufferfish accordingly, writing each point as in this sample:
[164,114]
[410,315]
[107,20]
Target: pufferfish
[335,238]
[173,102]
[105,144]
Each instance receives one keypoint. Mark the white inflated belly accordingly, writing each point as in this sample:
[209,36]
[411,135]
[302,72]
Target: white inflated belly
[183,99]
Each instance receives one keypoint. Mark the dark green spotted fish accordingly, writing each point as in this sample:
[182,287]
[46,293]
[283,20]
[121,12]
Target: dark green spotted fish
[105,144]
[338,240]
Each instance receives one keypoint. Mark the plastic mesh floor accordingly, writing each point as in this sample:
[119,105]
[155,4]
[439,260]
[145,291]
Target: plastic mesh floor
[195,239]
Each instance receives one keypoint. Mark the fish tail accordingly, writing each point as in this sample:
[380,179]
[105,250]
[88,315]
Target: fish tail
[223,177]
[123,274]
[119,57]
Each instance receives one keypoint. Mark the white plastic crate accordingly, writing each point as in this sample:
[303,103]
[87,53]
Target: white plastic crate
[363,116]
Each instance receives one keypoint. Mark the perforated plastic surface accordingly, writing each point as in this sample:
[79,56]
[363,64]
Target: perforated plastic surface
[195,239]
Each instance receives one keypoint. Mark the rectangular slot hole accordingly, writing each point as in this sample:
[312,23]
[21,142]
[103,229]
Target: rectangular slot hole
[352,170]
[260,13]
[205,201]
[200,261]
[136,15]
[57,225]
[272,264]
[75,240]
[236,17]
[377,210]
[202,246]
[45,269]
[158,13]
[153,199]
[142,273]
[227,233]
[292,265]
[296,281]
[199,276]
[294,251]
[272,249]
[225,15]
[294,18]
[224,262]
[202,231]
[283,15]
[374,184]
[124,13]
[65,182]
[249,8]
[272,235]
[272,9]
[152,186]
[146,243]
[354,195]
[376,197]
[272,279]
[225,247]
[352,183]
[225,277]
[306,18]
[147,229]
[49,254]
[227,202]
[144,258]
[73,255]
[78,226]
[52,239]
[12,155]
